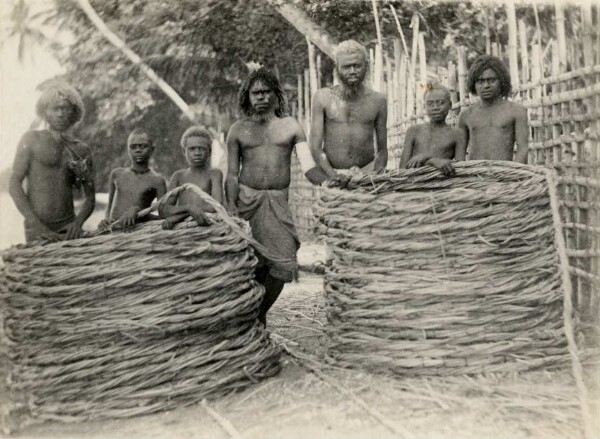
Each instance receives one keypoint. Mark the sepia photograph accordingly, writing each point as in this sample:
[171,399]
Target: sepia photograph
[300,219]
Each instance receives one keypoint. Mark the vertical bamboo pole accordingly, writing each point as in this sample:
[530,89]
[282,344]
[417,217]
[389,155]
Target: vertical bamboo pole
[462,75]
[422,73]
[415,43]
[371,65]
[312,68]
[524,51]
[488,35]
[556,132]
[387,83]
[452,80]
[399,31]
[300,101]
[536,76]
[306,101]
[402,88]
[319,74]
[496,49]
[561,38]
[587,33]
[378,69]
[513,62]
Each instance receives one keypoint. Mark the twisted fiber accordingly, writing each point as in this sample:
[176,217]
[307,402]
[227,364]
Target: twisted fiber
[442,276]
[118,325]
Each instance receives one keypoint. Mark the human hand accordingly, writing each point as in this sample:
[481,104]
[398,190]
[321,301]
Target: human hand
[417,161]
[104,225]
[342,179]
[444,166]
[49,235]
[74,231]
[168,224]
[198,215]
[232,209]
[127,220]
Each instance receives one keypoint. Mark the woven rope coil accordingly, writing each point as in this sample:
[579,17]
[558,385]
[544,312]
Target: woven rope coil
[441,276]
[125,324]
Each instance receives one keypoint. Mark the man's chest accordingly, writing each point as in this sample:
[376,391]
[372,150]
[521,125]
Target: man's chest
[360,111]
[485,119]
[275,134]
[441,139]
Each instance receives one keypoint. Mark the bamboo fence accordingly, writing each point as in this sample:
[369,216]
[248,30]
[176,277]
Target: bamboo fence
[558,83]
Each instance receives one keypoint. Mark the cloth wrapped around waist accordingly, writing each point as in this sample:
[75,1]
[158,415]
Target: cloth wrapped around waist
[272,224]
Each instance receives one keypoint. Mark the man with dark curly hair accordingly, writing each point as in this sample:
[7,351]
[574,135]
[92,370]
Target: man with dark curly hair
[53,162]
[494,125]
[260,146]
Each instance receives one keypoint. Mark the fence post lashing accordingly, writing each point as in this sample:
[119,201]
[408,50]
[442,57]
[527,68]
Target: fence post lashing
[512,42]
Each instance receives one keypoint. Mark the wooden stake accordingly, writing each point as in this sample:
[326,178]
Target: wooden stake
[415,43]
[400,32]
[300,101]
[312,68]
[588,32]
[523,48]
[307,98]
[513,63]
[319,75]
[462,75]
[422,73]
[561,38]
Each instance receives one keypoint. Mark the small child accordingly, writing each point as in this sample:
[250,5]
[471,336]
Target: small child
[196,144]
[434,143]
[493,125]
[53,163]
[134,188]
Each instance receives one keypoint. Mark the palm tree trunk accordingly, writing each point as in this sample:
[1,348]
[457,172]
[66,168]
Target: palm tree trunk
[135,58]
[304,24]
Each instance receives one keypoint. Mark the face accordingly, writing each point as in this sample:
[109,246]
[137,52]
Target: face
[351,68]
[437,105]
[197,151]
[140,149]
[487,85]
[262,97]
[59,115]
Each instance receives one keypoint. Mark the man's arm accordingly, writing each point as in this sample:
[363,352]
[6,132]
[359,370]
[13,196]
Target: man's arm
[521,134]
[381,152]
[216,185]
[317,127]
[89,189]
[409,141]
[464,127]
[460,147]
[232,188]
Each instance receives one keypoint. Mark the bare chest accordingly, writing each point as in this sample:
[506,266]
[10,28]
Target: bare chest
[274,135]
[359,111]
[136,184]
[200,180]
[435,139]
[497,119]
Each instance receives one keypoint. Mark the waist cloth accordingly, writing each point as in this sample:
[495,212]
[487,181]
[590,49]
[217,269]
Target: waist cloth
[269,215]
[33,232]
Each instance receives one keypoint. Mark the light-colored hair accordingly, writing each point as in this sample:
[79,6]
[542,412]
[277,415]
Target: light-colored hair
[139,132]
[351,47]
[196,131]
[438,87]
[58,91]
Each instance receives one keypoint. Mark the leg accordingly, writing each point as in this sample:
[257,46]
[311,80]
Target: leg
[273,288]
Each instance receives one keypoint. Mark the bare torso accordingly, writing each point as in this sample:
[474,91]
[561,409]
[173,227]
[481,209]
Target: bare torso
[132,189]
[435,141]
[491,130]
[265,151]
[202,179]
[49,179]
[349,126]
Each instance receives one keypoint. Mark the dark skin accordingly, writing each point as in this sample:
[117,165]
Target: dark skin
[197,154]
[434,143]
[494,125]
[42,160]
[262,148]
[344,118]
[133,189]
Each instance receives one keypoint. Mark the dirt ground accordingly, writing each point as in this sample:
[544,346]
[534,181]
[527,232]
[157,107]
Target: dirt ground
[310,399]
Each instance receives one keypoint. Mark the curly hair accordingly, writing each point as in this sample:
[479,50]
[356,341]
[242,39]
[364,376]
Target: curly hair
[139,132]
[437,87]
[56,92]
[269,79]
[351,47]
[196,131]
[481,64]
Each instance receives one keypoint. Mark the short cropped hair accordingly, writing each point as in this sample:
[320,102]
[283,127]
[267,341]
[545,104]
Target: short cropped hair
[139,132]
[269,79]
[196,131]
[438,87]
[351,47]
[59,91]
[481,64]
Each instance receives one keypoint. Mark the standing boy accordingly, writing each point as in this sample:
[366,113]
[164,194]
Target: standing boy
[53,163]
[493,125]
[434,143]
[134,188]
[260,146]
[196,144]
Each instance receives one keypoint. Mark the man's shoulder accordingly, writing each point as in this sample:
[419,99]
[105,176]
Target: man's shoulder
[515,106]
[156,176]
[216,173]
[374,94]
